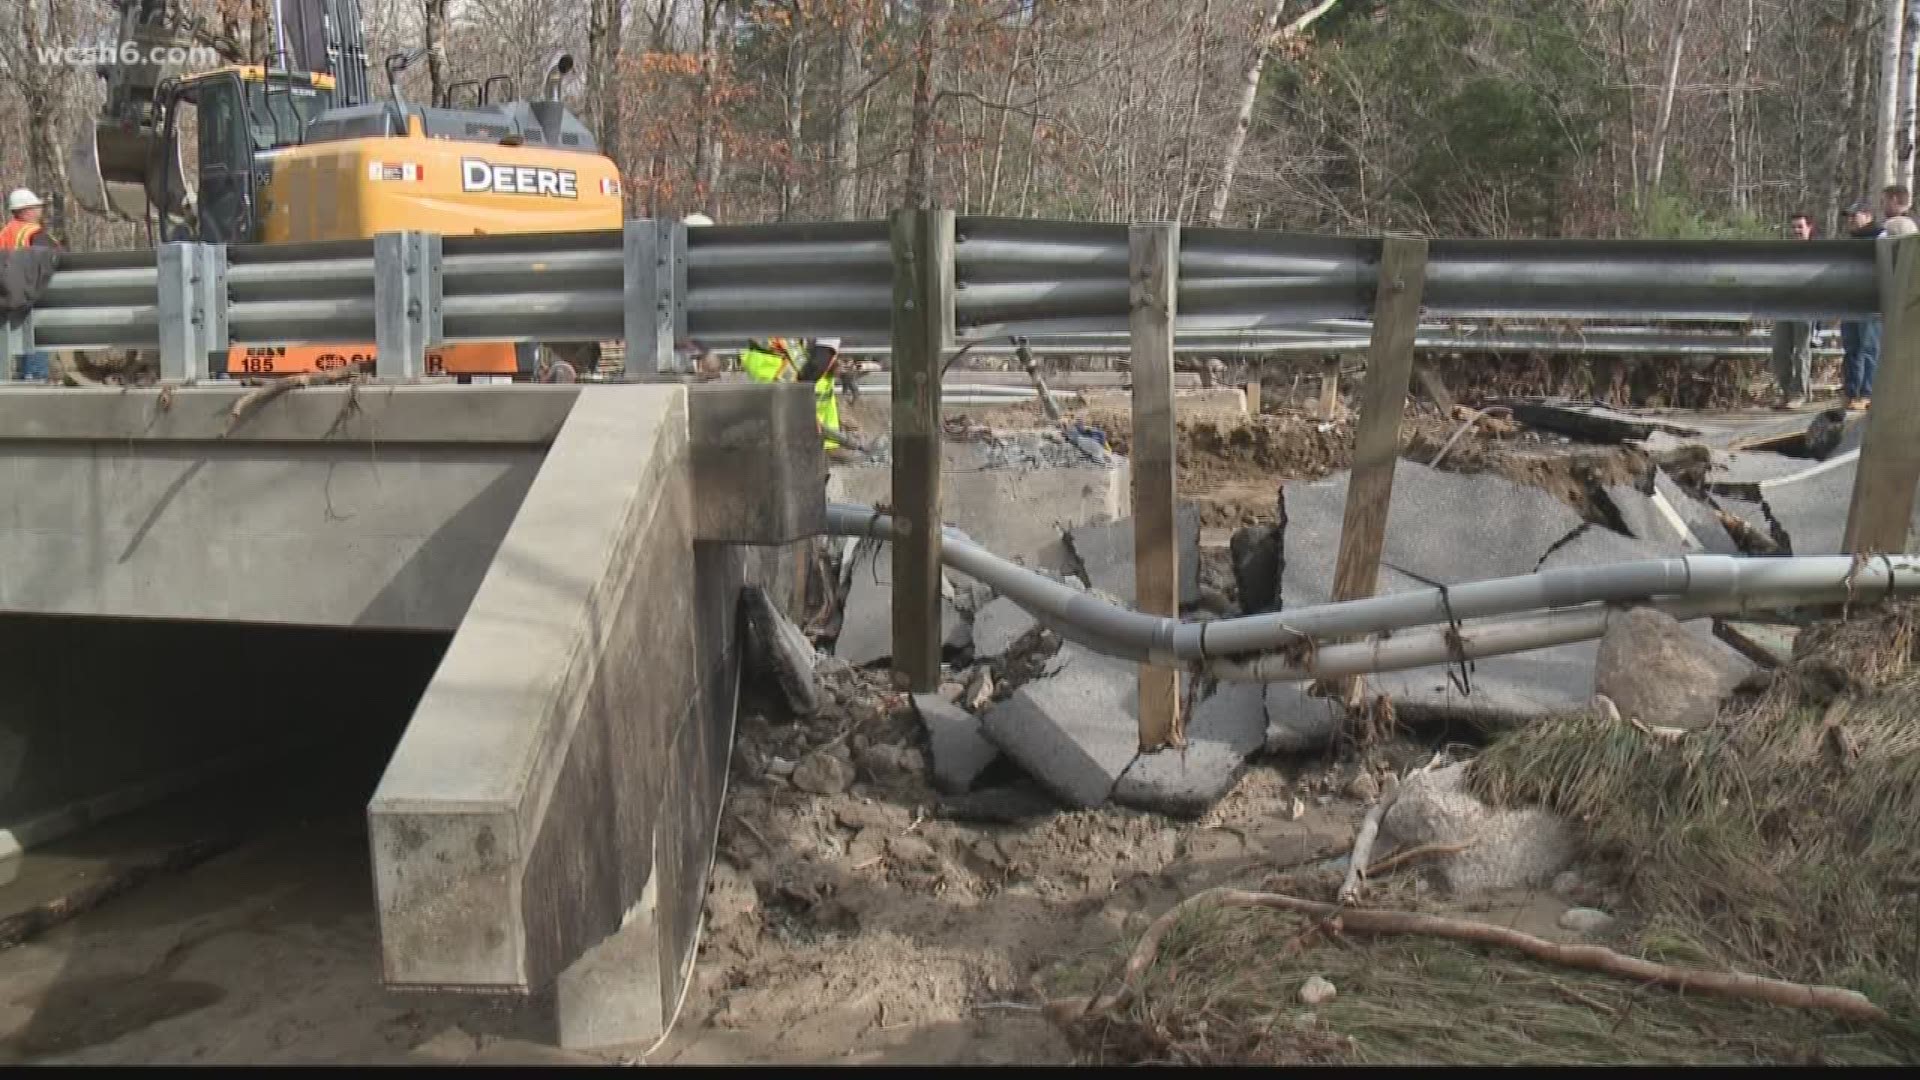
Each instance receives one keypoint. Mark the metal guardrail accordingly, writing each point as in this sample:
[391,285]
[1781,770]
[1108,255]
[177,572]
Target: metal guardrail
[656,283]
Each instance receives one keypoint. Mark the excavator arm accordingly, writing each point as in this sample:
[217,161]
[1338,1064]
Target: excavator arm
[119,166]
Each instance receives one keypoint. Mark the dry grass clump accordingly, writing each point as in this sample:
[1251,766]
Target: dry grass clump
[1225,987]
[1784,841]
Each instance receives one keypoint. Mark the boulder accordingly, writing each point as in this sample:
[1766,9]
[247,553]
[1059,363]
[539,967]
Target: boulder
[1663,674]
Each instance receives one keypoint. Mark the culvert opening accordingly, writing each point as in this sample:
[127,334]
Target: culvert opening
[129,743]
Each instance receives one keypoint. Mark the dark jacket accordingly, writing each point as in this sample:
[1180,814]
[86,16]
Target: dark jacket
[24,274]
[1872,230]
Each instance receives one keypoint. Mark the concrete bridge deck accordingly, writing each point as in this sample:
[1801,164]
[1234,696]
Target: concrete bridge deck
[545,825]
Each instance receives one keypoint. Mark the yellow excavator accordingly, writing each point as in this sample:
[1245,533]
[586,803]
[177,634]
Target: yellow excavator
[296,150]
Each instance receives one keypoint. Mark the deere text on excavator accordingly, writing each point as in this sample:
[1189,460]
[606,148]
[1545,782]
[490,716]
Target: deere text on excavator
[296,150]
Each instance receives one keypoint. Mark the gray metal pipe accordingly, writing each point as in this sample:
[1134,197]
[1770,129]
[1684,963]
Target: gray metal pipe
[1171,642]
[1525,633]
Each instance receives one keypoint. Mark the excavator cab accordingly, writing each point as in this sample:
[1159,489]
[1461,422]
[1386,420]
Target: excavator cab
[213,130]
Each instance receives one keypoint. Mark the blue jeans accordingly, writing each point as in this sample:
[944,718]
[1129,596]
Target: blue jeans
[33,366]
[1860,349]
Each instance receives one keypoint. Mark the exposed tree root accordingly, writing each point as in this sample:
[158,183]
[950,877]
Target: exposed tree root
[1847,1003]
[1393,861]
[1363,844]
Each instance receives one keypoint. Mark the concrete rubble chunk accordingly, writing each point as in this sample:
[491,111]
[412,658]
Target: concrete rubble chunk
[1660,673]
[960,751]
[1223,730]
[1511,849]
[1074,730]
[866,623]
[1105,552]
[1297,721]
[782,652]
[999,626]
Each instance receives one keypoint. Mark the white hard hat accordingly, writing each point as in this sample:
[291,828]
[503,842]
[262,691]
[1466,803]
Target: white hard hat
[698,219]
[828,343]
[22,199]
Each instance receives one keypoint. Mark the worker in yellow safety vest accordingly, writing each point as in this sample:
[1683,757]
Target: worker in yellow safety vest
[823,371]
[771,362]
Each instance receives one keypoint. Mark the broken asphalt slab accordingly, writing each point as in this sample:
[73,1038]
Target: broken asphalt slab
[866,622]
[1223,730]
[960,752]
[1443,526]
[1811,508]
[999,627]
[1076,731]
[1105,552]
[1670,518]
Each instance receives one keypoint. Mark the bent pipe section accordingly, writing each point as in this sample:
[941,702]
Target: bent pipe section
[1172,642]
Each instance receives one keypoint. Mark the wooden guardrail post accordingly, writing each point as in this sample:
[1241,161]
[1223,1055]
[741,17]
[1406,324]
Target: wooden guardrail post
[1383,402]
[1889,467]
[922,327]
[1153,252]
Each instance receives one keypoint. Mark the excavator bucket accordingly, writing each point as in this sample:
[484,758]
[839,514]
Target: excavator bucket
[114,169]
[107,169]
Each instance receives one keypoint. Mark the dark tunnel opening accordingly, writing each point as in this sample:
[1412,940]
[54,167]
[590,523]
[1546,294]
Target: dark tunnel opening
[109,728]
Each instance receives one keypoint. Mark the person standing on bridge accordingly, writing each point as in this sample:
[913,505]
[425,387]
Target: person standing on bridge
[31,256]
[1793,342]
[823,371]
[1860,338]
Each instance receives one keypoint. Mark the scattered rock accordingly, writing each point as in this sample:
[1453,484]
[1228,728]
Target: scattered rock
[865,815]
[911,851]
[1586,921]
[780,767]
[979,690]
[960,751]
[731,899]
[1511,849]
[869,845]
[1568,885]
[952,691]
[823,774]
[999,627]
[888,764]
[1364,787]
[1659,672]
[782,653]
[1317,991]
